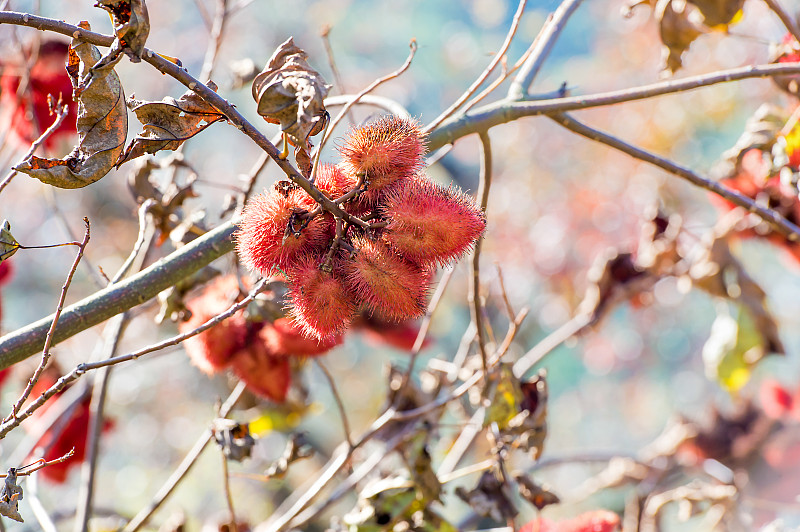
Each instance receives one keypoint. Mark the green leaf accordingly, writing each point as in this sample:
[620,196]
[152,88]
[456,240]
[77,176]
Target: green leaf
[8,244]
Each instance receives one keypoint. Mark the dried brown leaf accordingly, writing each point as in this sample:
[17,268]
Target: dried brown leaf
[10,495]
[102,126]
[233,438]
[534,493]
[490,498]
[290,93]
[678,30]
[719,13]
[168,123]
[131,27]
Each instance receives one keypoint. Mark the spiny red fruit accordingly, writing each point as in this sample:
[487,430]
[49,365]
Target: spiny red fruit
[321,305]
[264,373]
[430,224]
[333,181]
[212,350]
[47,76]
[265,240]
[283,337]
[385,151]
[385,282]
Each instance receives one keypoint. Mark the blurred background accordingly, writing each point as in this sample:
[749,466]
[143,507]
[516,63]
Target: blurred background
[557,202]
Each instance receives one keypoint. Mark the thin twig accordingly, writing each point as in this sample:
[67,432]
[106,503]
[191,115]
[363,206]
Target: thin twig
[475,282]
[337,77]
[424,327]
[465,438]
[85,367]
[96,422]
[550,342]
[188,461]
[61,113]
[48,339]
[778,222]
[338,399]
[371,87]
[226,483]
[485,74]
[215,39]
[381,102]
[545,40]
[785,17]
[203,13]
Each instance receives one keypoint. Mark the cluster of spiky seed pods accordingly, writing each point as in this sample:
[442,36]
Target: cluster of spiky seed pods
[335,269]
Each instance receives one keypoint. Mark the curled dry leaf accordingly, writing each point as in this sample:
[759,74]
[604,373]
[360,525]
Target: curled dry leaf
[102,126]
[490,497]
[534,493]
[168,123]
[10,496]
[233,438]
[290,93]
[131,28]
[519,408]
[8,244]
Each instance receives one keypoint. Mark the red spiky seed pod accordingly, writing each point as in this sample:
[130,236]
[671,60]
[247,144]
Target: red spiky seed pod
[333,181]
[265,239]
[212,350]
[430,224]
[284,337]
[321,306]
[265,374]
[385,282]
[384,151]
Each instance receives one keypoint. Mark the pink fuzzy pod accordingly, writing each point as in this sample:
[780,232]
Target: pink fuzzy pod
[429,224]
[385,151]
[321,306]
[264,239]
[385,282]
[212,349]
[286,338]
[265,374]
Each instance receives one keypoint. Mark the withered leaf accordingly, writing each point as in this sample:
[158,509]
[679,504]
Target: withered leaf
[418,458]
[131,28]
[519,408]
[719,13]
[10,496]
[490,497]
[233,438]
[297,448]
[8,244]
[290,93]
[678,31]
[102,126]
[614,277]
[534,493]
[168,123]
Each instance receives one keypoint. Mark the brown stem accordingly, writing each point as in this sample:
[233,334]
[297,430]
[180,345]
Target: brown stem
[474,285]
[217,29]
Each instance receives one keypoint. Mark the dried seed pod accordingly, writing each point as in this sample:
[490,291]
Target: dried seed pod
[265,374]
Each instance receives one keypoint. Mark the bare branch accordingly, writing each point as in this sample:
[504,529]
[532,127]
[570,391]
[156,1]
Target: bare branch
[785,17]
[338,399]
[49,337]
[475,282]
[371,87]
[544,43]
[485,74]
[217,29]
[179,474]
[778,222]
